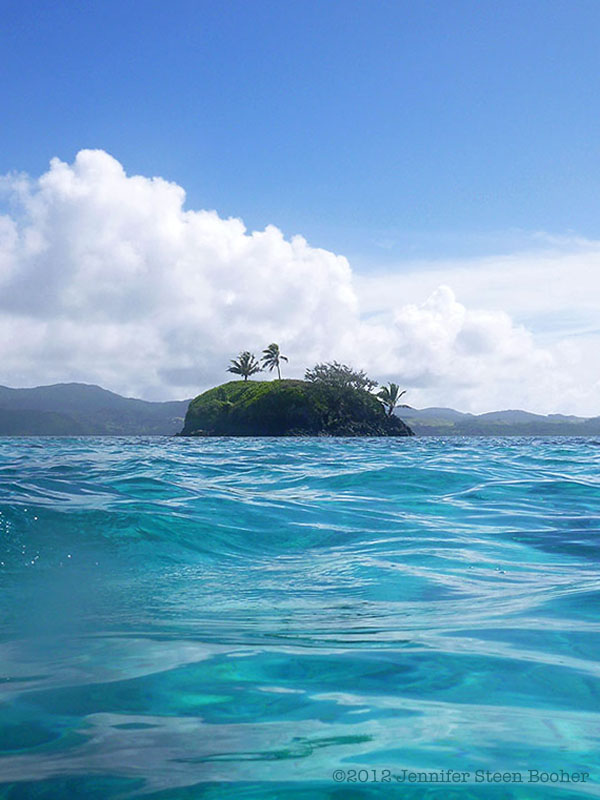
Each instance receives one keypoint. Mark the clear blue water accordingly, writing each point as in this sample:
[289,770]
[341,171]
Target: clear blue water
[238,618]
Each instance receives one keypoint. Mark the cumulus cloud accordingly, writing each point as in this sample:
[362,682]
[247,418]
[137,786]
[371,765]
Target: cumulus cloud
[107,278]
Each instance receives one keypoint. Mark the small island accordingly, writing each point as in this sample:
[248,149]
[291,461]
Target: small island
[333,400]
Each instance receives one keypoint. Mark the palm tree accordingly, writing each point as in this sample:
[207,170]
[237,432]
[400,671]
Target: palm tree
[245,365]
[389,396]
[272,358]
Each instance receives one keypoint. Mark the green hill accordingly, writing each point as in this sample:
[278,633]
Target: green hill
[447,422]
[73,409]
[288,408]
[17,422]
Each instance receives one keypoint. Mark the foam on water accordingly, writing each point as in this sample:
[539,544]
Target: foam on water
[241,617]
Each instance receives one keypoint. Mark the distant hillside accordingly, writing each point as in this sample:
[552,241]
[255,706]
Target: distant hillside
[447,422]
[80,409]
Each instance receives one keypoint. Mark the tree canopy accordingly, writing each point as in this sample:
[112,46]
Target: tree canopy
[272,358]
[245,365]
[390,396]
[340,376]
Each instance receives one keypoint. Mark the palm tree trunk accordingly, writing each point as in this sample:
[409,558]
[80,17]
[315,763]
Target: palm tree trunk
[278,372]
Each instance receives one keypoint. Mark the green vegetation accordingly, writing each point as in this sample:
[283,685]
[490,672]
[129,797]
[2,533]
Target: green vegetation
[333,400]
[339,375]
[390,396]
[289,408]
[245,365]
[272,358]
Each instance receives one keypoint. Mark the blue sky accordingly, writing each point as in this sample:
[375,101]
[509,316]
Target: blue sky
[439,159]
[378,129]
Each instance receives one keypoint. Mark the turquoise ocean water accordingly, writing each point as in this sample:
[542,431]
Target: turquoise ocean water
[299,618]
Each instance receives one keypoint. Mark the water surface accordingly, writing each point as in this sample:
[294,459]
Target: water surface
[240,618]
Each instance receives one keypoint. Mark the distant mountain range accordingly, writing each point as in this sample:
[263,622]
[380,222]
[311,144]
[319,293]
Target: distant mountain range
[79,409]
[72,409]
[447,422]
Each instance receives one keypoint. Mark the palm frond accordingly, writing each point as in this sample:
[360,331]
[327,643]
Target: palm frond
[272,358]
[245,365]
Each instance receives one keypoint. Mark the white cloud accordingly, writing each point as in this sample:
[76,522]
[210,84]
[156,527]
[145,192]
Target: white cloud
[548,300]
[554,289]
[106,278]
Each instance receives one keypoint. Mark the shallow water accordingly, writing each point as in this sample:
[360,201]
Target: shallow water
[240,618]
